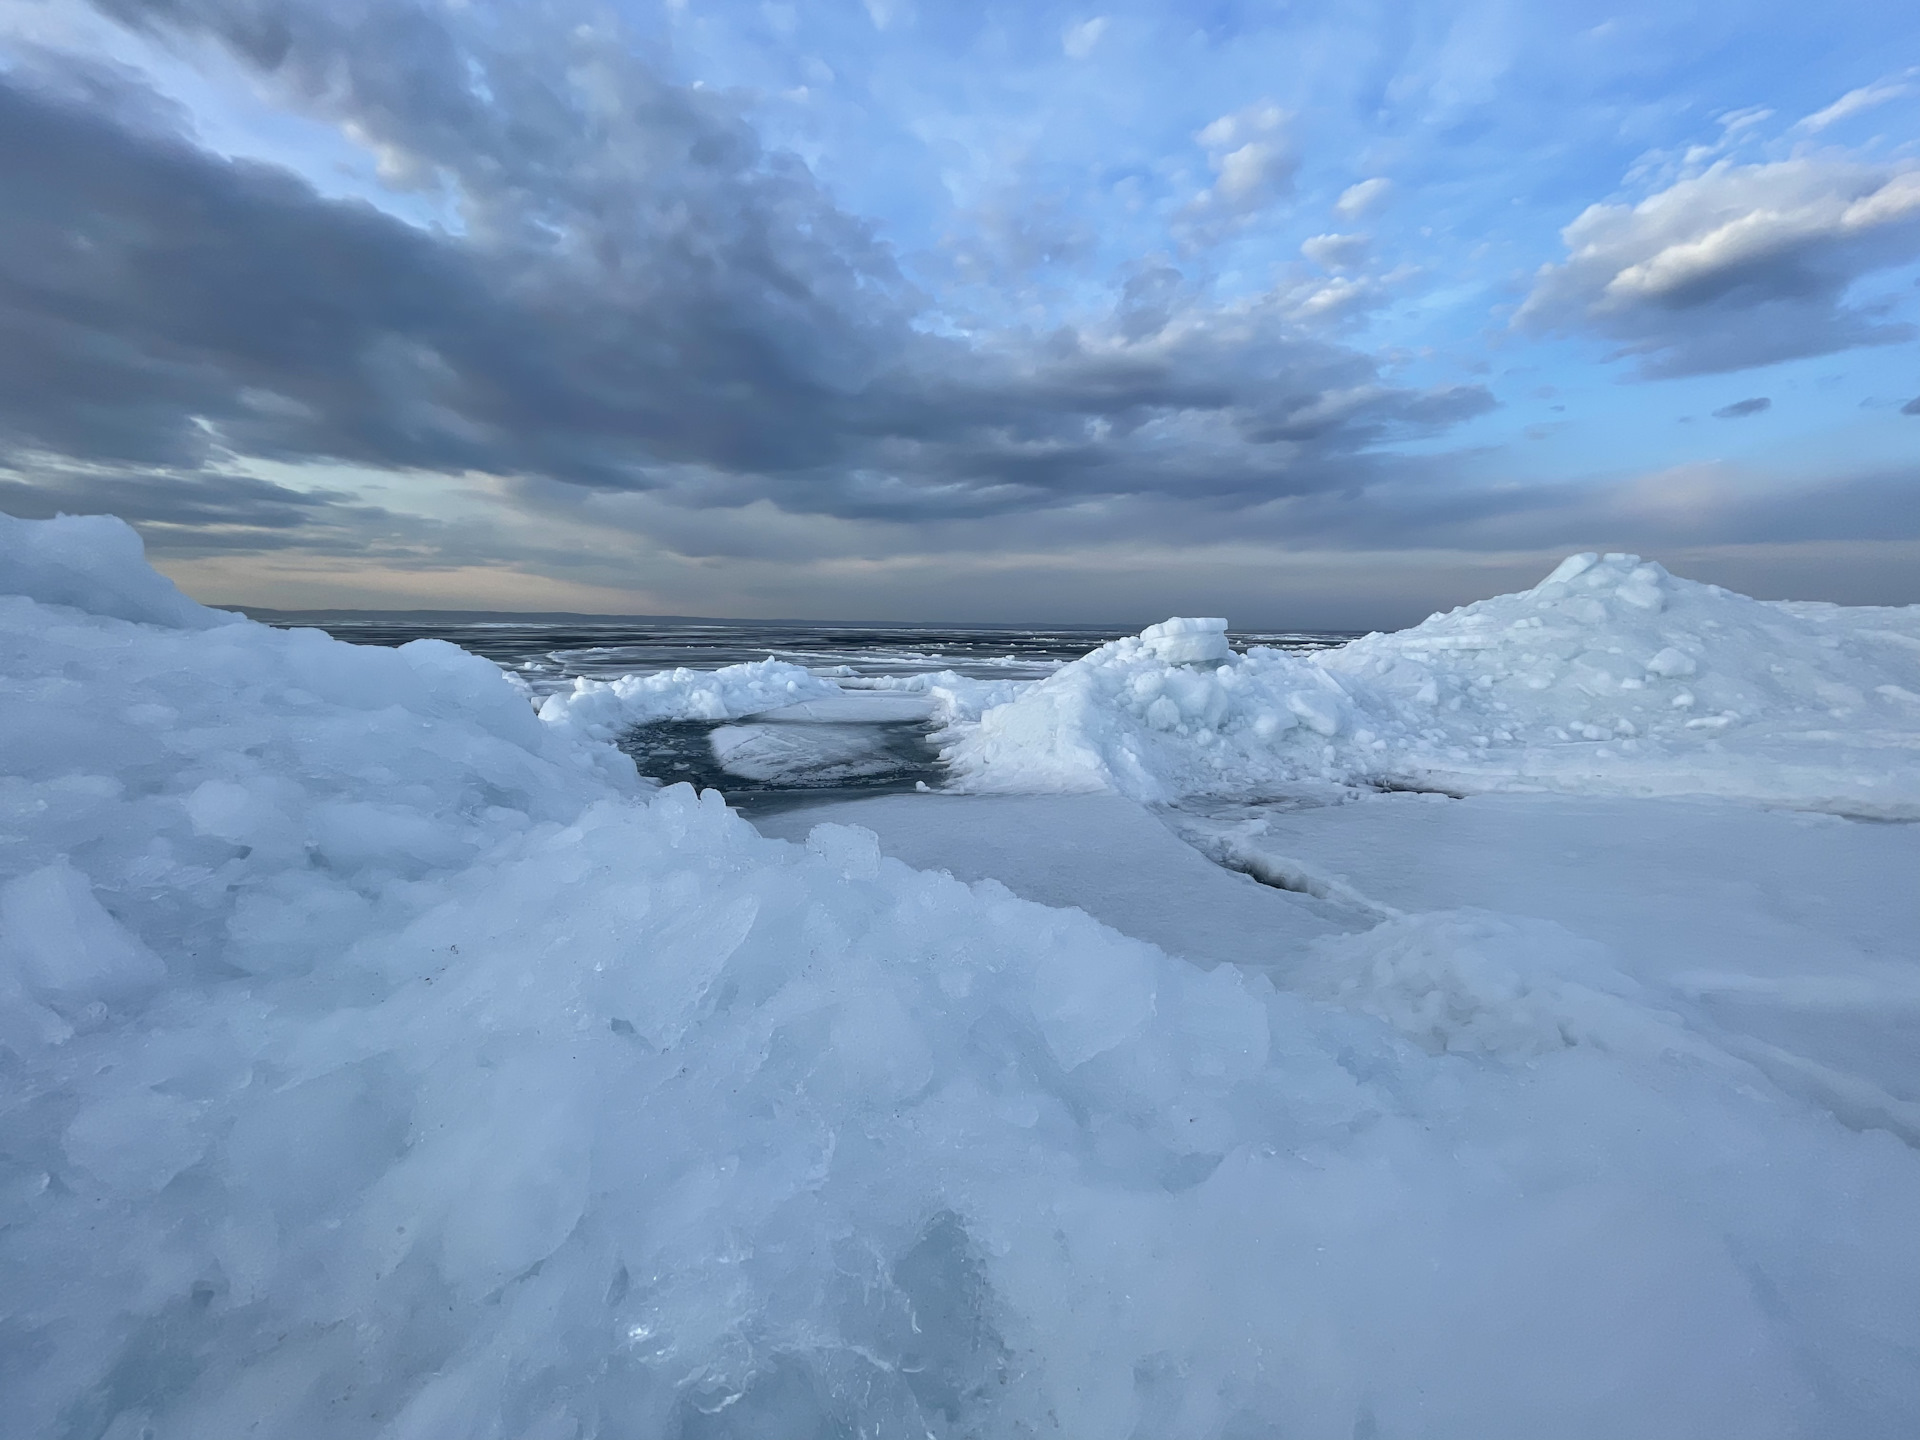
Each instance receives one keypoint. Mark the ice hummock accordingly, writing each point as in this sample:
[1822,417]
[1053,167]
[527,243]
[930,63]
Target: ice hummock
[1609,677]
[382,1061]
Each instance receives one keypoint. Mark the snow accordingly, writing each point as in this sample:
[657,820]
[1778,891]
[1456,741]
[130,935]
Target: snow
[377,1059]
[1609,677]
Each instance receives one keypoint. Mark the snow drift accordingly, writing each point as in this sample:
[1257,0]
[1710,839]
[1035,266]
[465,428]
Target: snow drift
[381,1061]
[1609,677]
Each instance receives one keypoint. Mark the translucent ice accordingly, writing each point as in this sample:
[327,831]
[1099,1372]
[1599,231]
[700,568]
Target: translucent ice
[379,1060]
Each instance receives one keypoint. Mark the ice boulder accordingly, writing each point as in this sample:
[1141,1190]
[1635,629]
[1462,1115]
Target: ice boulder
[1188,642]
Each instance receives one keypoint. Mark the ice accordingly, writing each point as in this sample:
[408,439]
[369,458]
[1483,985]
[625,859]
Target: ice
[1477,983]
[1788,936]
[855,707]
[1575,686]
[804,754]
[1103,854]
[58,940]
[482,1090]
[1188,642]
[603,709]
[95,564]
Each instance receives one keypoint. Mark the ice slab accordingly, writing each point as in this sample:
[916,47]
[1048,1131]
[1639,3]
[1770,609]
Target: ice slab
[1791,931]
[1103,854]
[814,754]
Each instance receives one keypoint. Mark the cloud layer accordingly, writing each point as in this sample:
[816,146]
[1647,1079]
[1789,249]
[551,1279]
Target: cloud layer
[643,298]
[1048,289]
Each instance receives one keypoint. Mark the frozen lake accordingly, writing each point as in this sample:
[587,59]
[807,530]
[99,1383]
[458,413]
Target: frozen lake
[1498,1029]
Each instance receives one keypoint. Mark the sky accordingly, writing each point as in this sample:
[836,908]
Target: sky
[1309,314]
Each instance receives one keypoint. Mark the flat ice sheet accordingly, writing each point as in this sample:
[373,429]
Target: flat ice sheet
[804,754]
[1103,854]
[864,707]
[1795,932]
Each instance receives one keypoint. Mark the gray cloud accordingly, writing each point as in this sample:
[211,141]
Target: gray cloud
[644,298]
[1670,510]
[1742,408]
[1743,265]
[1912,407]
[185,514]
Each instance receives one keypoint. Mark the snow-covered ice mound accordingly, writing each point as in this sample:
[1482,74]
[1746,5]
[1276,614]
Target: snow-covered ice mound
[377,1060]
[1610,677]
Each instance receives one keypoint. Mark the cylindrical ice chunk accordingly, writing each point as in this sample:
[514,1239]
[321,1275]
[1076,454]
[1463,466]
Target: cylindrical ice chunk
[1188,642]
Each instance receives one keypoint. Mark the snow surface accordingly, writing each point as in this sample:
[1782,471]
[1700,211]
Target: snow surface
[1609,677]
[378,1060]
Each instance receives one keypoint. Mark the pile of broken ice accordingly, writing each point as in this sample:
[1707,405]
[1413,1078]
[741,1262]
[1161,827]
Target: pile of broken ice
[378,1059]
[1609,677]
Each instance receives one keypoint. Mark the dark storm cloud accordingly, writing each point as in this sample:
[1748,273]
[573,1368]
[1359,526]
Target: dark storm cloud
[643,298]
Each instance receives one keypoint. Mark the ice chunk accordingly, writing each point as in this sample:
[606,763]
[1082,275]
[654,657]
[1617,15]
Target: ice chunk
[69,951]
[1088,1002]
[1672,663]
[1567,570]
[1188,642]
[133,1141]
[1317,711]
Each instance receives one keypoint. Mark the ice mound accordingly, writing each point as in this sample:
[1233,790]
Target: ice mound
[96,564]
[604,709]
[1609,677]
[378,1060]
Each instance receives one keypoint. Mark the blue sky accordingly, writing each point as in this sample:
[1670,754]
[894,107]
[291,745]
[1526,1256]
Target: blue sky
[1302,313]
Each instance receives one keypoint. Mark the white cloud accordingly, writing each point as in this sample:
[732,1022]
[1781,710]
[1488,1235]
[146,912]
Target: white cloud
[1734,121]
[1740,266]
[1854,101]
[1078,40]
[1334,252]
[1358,200]
[1253,160]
